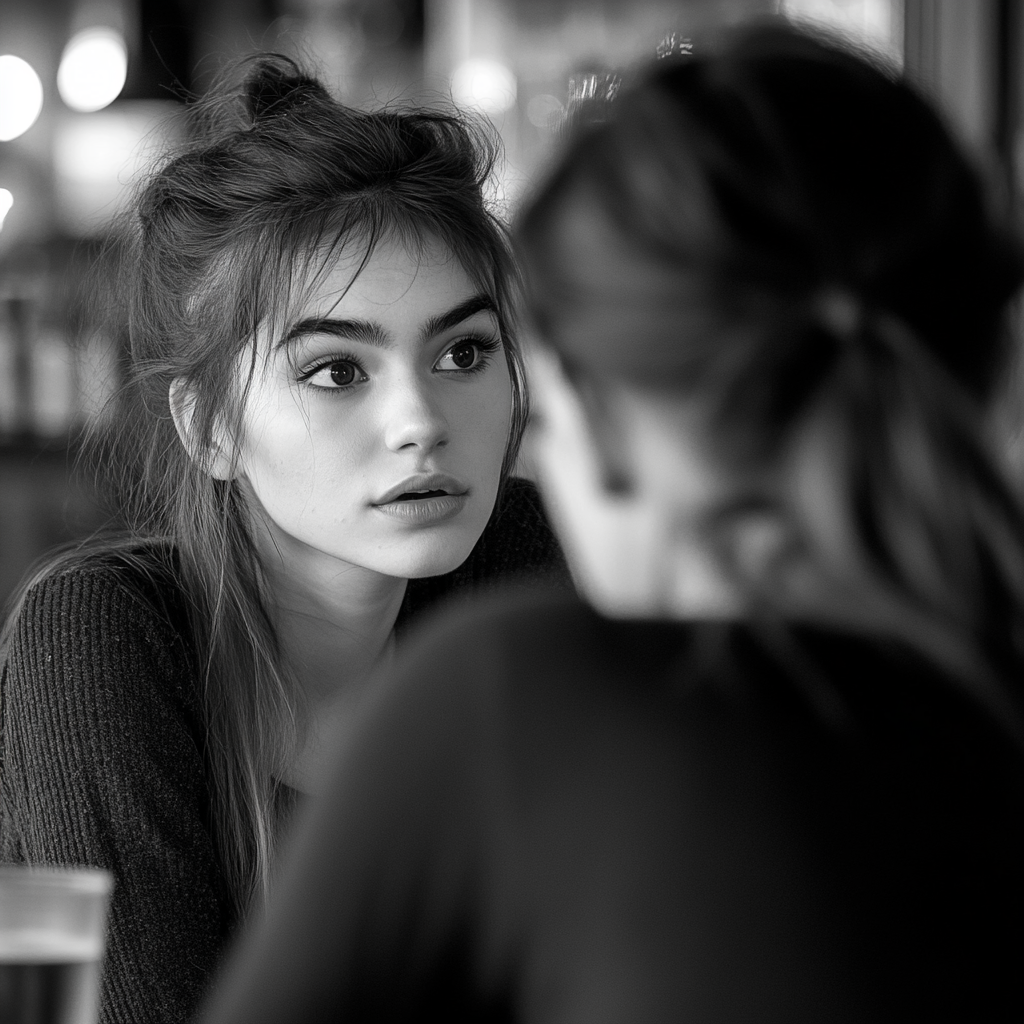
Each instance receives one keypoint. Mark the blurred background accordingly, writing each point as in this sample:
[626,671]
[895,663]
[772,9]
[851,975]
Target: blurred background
[91,93]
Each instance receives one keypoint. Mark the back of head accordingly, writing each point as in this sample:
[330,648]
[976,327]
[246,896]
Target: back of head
[779,167]
[786,232]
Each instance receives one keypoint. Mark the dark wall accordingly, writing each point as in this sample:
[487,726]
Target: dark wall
[43,503]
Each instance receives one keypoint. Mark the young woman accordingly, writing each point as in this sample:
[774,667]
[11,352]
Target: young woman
[324,406]
[775,770]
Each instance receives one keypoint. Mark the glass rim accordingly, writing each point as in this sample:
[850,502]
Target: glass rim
[77,879]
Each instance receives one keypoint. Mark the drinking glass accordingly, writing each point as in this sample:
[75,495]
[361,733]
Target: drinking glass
[52,931]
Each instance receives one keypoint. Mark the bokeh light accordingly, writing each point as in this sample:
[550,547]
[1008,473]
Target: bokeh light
[97,155]
[93,69]
[484,84]
[6,202]
[21,97]
[544,110]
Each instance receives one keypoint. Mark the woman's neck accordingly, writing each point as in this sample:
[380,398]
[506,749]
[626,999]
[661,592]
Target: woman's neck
[334,619]
[335,624]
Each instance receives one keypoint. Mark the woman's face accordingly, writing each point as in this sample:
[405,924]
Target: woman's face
[642,551]
[375,428]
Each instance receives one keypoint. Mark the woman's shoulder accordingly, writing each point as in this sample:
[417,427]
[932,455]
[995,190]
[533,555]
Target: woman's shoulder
[145,572]
[518,540]
[519,497]
[821,681]
[117,602]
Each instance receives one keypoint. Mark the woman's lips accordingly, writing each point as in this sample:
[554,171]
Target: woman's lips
[422,486]
[430,507]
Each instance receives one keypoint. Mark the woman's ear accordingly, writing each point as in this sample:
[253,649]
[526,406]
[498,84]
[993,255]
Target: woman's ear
[213,457]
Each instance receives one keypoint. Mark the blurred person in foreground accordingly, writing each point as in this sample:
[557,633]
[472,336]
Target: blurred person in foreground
[773,769]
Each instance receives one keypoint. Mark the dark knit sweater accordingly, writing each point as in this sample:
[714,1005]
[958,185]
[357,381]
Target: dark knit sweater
[101,739]
[544,816]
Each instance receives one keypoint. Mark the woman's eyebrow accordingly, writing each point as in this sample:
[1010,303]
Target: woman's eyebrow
[373,333]
[454,316]
[368,331]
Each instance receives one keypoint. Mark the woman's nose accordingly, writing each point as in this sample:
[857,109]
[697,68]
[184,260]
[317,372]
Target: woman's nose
[413,418]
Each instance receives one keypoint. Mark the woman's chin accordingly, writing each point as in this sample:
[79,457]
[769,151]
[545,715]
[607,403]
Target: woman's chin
[433,557]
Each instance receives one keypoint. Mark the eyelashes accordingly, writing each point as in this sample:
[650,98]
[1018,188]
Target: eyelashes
[479,348]
[346,372]
[467,356]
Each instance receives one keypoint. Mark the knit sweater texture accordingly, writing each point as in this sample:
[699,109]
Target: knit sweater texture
[101,752]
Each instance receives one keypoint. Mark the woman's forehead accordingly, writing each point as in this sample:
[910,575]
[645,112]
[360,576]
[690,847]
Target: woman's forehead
[386,274]
[336,268]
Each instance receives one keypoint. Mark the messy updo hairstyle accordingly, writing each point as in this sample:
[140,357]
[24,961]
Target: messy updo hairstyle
[808,244]
[275,181]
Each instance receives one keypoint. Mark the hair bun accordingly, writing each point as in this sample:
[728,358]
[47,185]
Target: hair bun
[275,84]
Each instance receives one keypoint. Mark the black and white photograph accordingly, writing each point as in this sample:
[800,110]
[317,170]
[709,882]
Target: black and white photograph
[511,511]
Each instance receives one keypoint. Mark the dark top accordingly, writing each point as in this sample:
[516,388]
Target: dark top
[546,816]
[101,739]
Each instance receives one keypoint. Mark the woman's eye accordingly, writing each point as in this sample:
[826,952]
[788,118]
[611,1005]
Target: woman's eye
[339,373]
[463,356]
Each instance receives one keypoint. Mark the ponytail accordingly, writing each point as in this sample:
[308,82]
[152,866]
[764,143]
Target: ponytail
[934,534]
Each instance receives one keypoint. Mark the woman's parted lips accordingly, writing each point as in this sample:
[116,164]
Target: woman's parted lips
[422,485]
